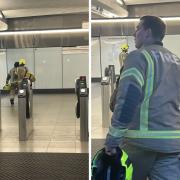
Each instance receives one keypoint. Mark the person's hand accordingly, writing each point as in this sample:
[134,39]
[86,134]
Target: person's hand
[111,156]
[110,151]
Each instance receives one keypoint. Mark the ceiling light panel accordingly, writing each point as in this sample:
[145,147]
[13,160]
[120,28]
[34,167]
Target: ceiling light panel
[60,31]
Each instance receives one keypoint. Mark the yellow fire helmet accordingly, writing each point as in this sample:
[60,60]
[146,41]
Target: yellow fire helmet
[22,61]
[125,47]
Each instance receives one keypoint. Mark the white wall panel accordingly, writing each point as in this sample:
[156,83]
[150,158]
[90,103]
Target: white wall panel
[110,50]
[3,68]
[74,65]
[14,55]
[48,68]
[131,43]
[95,58]
[171,42]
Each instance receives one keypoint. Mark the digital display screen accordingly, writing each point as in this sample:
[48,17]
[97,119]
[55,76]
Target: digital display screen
[104,78]
[83,90]
[21,91]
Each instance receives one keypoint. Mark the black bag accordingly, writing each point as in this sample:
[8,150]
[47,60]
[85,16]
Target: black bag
[104,166]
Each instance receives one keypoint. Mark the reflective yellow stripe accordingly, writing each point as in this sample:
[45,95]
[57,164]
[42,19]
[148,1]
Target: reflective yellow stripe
[129,170]
[116,132]
[148,92]
[133,72]
[124,158]
[153,134]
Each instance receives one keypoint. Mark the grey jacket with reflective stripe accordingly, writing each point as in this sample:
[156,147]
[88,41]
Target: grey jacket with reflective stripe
[155,71]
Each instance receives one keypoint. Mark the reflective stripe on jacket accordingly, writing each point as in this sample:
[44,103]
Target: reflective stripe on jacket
[156,122]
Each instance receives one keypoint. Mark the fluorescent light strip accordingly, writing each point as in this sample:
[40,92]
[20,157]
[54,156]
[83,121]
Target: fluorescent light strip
[114,20]
[171,18]
[120,2]
[60,31]
[130,20]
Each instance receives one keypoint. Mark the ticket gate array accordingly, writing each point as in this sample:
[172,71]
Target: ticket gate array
[82,106]
[107,88]
[110,72]
[105,96]
[0,111]
[25,110]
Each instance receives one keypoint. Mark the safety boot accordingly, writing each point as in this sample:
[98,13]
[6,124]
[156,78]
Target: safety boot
[12,101]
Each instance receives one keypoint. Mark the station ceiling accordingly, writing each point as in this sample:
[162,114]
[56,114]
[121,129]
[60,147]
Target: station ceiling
[25,8]
[29,15]
[135,2]
[135,8]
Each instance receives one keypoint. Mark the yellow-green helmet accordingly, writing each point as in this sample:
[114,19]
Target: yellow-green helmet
[116,167]
[7,87]
[125,47]
[22,61]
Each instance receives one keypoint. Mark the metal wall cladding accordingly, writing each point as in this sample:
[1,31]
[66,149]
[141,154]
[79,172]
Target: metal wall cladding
[127,28]
[55,22]
[43,40]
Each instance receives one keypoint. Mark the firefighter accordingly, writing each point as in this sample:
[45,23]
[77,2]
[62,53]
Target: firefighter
[123,54]
[146,118]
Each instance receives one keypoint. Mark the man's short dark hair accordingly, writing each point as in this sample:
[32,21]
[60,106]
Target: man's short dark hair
[156,25]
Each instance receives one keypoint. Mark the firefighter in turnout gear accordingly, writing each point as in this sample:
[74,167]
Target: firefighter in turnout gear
[15,76]
[123,54]
[146,118]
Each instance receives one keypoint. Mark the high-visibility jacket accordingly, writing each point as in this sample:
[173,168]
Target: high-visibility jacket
[151,76]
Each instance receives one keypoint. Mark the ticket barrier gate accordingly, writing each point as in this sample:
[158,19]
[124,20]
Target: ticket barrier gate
[110,72]
[0,110]
[25,110]
[105,98]
[82,106]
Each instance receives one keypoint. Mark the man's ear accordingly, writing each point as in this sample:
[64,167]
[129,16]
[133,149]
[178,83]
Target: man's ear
[148,33]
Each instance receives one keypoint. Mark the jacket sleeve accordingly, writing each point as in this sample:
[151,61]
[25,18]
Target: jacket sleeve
[129,96]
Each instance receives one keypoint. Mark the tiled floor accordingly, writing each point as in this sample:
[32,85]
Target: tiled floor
[97,131]
[56,128]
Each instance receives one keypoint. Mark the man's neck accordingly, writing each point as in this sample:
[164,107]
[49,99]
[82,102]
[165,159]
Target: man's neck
[153,41]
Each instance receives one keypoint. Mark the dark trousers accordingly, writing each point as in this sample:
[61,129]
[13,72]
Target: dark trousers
[153,165]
